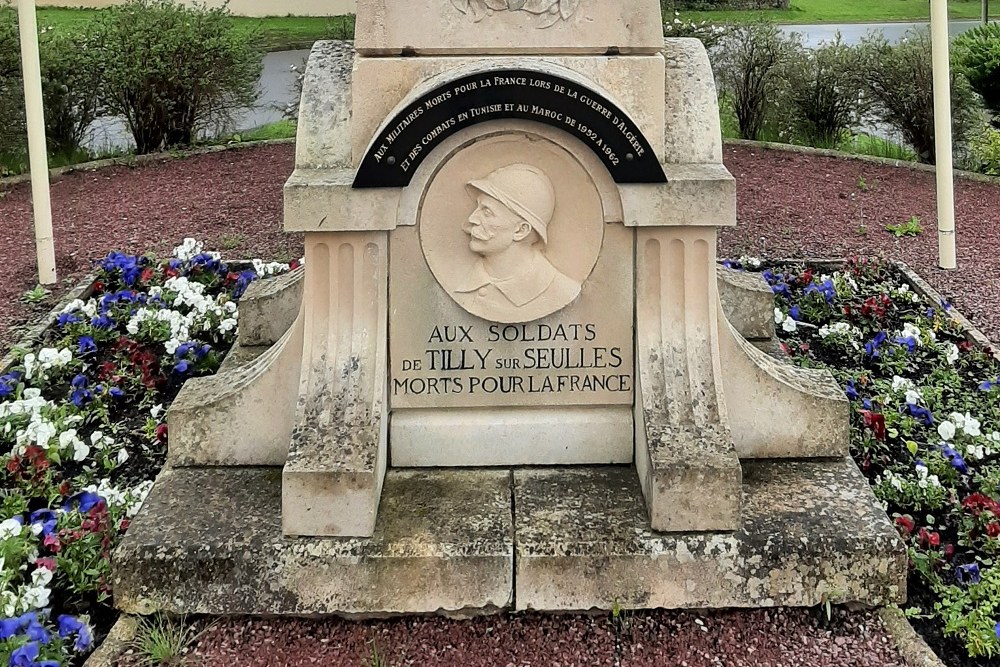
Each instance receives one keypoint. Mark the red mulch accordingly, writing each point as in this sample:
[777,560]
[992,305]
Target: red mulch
[790,205]
[758,638]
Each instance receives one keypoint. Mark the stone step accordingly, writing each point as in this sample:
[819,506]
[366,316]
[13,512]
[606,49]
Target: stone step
[209,541]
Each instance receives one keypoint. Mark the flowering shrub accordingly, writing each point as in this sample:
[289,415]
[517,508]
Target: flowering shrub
[82,434]
[925,430]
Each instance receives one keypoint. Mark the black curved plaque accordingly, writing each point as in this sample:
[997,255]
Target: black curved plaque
[511,93]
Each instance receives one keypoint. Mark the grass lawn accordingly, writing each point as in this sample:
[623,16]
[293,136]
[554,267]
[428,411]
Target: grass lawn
[275,33]
[847,11]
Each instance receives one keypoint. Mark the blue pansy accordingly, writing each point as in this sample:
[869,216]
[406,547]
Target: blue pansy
[996,630]
[182,366]
[116,392]
[8,383]
[85,501]
[24,656]
[930,313]
[47,518]
[102,321]
[48,663]
[729,264]
[69,625]
[945,304]
[955,458]
[967,574]
[87,345]
[183,349]
[244,279]
[989,384]
[825,289]
[9,627]
[65,319]
[851,391]
[921,413]
[36,631]
[909,341]
[872,346]
[202,351]
[795,313]
[81,394]
[867,404]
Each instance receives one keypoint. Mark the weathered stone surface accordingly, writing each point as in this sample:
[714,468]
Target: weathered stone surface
[239,355]
[323,137]
[337,456]
[242,416]
[693,133]
[428,27]
[748,303]
[209,541]
[269,307]
[684,454]
[777,410]
[694,194]
[810,531]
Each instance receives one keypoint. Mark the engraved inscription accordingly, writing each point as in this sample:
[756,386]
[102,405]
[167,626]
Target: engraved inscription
[520,359]
[549,12]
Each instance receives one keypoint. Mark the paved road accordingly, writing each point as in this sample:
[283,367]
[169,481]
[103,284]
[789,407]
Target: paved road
[853,32]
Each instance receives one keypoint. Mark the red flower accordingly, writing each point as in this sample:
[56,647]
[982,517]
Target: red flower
[147,275]
[977,503]
[14,465]
[993,529]
[98,286]
[48,563]
[905,524]
[928,538]
[52,542]
[161,433]
[294,264]
[949,551]
[876,422]
[125,523]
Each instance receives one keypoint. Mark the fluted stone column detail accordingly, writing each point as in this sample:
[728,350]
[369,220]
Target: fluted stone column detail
[687,465]
[332,479]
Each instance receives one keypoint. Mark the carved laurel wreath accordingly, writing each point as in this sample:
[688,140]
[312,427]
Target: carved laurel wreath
[549,11]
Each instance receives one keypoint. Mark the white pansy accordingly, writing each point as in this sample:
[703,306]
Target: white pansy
[230,323]
[972,426]
[901,383]
[946,430]
[35,597]
[122,456]
[951,353]
[41,576]
[779,316]
[8,604]
[789,325]
[913,397]
[994,436]
[977,452]
[187,249]
[156,410]
[958,418]
[836,328]
[10,528]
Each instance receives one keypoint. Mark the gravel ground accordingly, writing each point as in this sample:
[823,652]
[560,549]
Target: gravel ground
[775,638]
[790,205]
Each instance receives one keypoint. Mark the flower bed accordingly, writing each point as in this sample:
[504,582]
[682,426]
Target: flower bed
[82,435]
[925,431]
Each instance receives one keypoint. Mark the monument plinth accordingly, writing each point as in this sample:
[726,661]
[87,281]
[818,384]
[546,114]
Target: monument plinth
[507,352]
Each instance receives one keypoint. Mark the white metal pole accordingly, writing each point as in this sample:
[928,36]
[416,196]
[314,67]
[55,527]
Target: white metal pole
[38,157]
[942,135]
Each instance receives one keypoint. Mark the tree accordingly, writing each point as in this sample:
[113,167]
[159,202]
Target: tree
[172,70]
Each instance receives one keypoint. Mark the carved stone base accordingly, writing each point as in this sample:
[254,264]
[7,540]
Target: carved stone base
[209,541]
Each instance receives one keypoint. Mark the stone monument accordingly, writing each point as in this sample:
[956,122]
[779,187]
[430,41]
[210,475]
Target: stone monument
[509,374]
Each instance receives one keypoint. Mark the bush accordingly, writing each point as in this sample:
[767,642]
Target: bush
[172,71]
[822,93]
[748,65]
[899,80]
[985,152]
[11,95]
[709,33]
[71,77]
[977,56]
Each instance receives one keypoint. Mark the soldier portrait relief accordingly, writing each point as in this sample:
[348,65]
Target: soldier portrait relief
[508,229]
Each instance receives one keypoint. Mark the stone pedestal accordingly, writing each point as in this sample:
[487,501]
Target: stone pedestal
[510,215]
